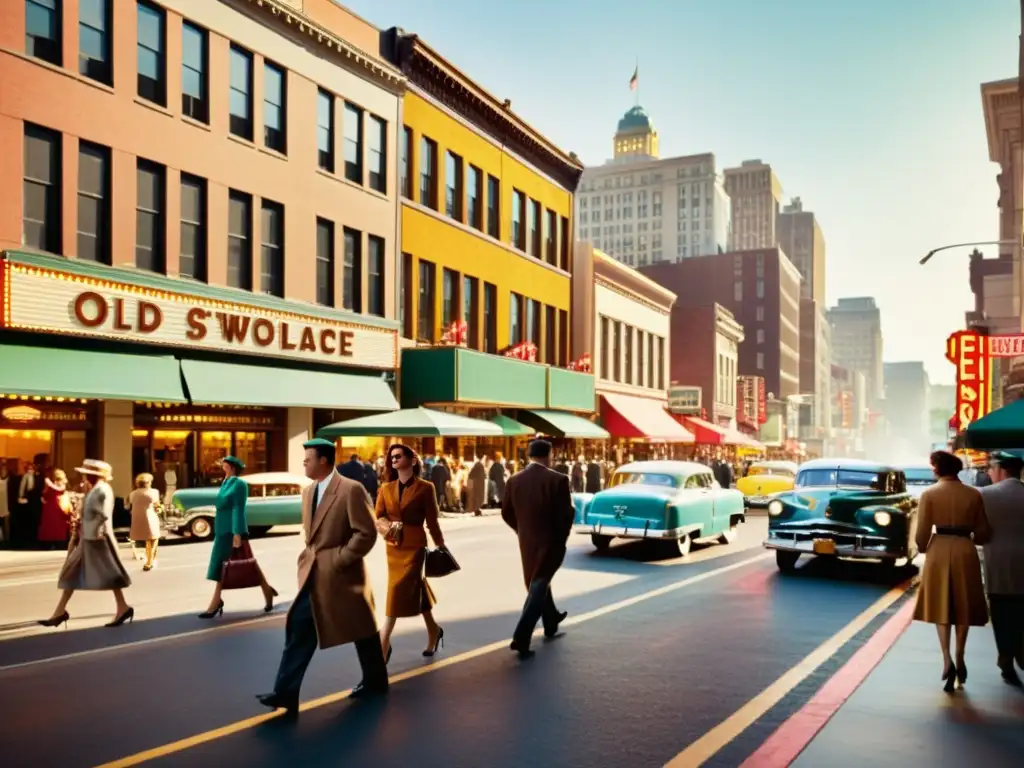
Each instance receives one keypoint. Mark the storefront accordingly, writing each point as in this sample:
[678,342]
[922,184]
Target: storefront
[165,376]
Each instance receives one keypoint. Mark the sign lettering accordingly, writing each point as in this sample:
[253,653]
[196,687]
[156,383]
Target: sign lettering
[971,353]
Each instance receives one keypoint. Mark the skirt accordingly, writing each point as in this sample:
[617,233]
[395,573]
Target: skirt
[409,594]
[951,590]
[94,565]
[218,555]
[145,526]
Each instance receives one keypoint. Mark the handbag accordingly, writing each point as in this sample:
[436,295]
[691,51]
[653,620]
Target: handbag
[439,562]
[240,570]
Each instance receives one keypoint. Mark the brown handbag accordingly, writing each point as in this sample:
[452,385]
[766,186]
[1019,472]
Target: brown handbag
[240,570]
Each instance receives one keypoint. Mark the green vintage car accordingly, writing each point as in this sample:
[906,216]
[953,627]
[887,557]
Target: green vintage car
[846,508]
[274,499]
[677,502]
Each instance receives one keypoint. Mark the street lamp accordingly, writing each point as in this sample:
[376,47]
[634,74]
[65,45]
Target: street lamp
[928,256]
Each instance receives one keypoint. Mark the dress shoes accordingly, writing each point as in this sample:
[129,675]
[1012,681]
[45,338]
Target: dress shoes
[551,632]
[365,691]
[279,701]
[523,650]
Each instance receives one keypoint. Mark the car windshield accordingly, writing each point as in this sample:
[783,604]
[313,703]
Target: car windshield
[919,476]
[840,478]
[645,478]
[762,470]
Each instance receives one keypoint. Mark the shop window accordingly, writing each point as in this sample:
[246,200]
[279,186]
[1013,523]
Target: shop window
[325,262]
[490,318]
[550,351]
[425,317]
[515,319]
[93,203]
[353,132]
[150,224]
[405,163]
[94,40]
[377,154]
[375,276]
[453,186]
[41,217]
[494,207]
[325,130]
[470,311]
[42,30]
[272,249]
[352,271]
[194,73]
[193,228]
[240,240]
[240,93]
[449,297]
[275,115]
[428,173]
[474,182]
[152,63]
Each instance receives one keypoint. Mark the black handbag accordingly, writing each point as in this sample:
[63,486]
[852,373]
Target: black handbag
[439,562]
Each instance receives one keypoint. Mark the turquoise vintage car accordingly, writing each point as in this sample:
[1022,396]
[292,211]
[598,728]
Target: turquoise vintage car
[677,502]
[845,508]
[274,499]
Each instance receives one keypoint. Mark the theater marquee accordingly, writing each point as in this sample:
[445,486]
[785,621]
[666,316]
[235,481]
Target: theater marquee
[973,354]
[56,302]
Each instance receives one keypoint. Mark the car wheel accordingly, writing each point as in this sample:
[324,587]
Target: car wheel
[259,531]
[201,528]
[600,542]
[681,546]
[729,536]
[786,560]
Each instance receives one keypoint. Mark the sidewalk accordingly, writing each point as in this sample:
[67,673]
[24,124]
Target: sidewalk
[900,716]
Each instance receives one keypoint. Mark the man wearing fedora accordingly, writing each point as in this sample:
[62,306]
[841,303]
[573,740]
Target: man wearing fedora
[335,603]
[93,563]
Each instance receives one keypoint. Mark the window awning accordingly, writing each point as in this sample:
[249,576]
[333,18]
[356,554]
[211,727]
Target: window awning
[411,422]
[562,424]
[642,418]
[79,373]
[712,434]
[231,384]
[512,428]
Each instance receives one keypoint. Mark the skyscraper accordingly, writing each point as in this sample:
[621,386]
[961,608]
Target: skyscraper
[800,236]
[857,343]
[755,195]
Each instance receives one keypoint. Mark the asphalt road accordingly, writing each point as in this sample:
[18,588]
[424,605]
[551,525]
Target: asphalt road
[658,656]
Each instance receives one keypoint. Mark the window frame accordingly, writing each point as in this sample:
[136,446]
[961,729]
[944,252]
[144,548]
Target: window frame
[201,258]
[158,250]
[159,85]
[192,107]
[103,71]
[275,139]
[272,254]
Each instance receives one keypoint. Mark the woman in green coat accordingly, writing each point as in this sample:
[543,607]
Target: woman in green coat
[229,528]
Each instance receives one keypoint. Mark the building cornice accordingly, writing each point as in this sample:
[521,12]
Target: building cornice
[631,283]
[999,100]
[285,15]
[439,78]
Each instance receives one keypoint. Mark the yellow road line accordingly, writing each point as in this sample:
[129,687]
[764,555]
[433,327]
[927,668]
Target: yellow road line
[252,722]
[711,742]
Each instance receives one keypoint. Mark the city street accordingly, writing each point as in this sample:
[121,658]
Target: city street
[690,661]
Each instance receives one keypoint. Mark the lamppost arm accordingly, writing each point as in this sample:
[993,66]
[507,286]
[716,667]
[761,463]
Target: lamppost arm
[933,251]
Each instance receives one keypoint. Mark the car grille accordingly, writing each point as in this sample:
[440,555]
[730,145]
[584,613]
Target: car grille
[842,536]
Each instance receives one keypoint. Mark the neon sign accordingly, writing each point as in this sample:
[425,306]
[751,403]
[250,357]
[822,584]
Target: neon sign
[972,354]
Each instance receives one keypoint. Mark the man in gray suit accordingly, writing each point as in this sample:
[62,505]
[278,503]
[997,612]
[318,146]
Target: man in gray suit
[1004,560]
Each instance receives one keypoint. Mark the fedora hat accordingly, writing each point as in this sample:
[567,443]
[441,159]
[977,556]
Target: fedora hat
[95,467]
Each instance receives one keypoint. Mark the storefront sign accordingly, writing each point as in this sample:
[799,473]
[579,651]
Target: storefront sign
[762,402]
[44,416]
[684,399]
[971,353]
[52,302]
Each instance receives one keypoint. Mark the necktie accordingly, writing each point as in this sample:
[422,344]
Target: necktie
[316,496]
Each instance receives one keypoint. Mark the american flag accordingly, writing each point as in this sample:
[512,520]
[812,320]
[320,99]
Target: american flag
[634,79]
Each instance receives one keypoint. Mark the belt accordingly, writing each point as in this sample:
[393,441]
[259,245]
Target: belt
[945,530]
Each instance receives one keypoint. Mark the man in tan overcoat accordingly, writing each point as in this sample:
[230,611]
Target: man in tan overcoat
[335,604]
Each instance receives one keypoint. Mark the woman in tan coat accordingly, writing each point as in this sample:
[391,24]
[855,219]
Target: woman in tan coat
[142,503]
[406,504]
[951,592]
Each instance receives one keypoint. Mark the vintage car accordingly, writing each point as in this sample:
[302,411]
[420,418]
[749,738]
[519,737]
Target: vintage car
[846,508]
[274,499]
[764,479]
[677,502]
[919,477]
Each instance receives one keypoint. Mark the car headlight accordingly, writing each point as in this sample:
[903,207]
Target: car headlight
[775,507]
[883,518]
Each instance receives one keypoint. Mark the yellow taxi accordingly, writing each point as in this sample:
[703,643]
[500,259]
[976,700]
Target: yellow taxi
[764,479]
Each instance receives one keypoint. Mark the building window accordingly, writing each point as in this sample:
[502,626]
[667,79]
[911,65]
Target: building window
[629,354]
[493,207]
[375,276]
[760,289]
[616,350]
[641,378]
[240,94]
[533,320]
[378,155]
[152,67]
[760,361]
[425,318]
[405,178]
[428,173]
[760,314]
[353,128]
[650,360]
[518,215]
[275,118]
[149,216]
[564,244]
[515,320]
[534,219]
[193,228]
[737,291]
[42,30]
[94,40]
[563,338]
[661,363]
[551,235]
[760,335]
[325,262]
[453,189]
[240,240]
[470,303]
[352,271]
[272,256]
[194,67]
[449,298]
[325,131]
[550,351]
[490,318]
[606,355]
[474,182]
[93,203]
[405,313]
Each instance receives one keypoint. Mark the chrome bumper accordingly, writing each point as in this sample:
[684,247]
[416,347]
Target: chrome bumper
[862,547]
[623,532]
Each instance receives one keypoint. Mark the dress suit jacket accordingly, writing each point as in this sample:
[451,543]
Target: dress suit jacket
[537,505]
[339,534]
[417,512]
[1004,554]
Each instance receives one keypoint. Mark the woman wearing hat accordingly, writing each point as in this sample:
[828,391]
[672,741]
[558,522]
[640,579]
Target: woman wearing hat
[229,528]
[93,563]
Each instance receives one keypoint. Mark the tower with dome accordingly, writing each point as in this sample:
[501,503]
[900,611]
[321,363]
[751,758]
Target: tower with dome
[635,138]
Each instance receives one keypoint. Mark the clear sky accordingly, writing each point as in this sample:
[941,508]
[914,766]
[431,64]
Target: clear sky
[869,110]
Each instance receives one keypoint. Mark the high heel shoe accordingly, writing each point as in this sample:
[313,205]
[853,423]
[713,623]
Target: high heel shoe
[950,677]
[961,673]
[387,658]
[439,643]
[55,621]
[127,616]
[214,613]
[270,601]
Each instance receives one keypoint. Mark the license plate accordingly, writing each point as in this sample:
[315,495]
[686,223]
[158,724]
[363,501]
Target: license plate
[824,547]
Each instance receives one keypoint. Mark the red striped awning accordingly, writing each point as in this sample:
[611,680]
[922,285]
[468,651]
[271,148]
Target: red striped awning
[640,418]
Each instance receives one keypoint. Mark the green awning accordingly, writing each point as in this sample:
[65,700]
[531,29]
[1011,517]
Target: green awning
[56,372]
[562,424]
[1002,428]
[411,422]
[231,384]
[512,428]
